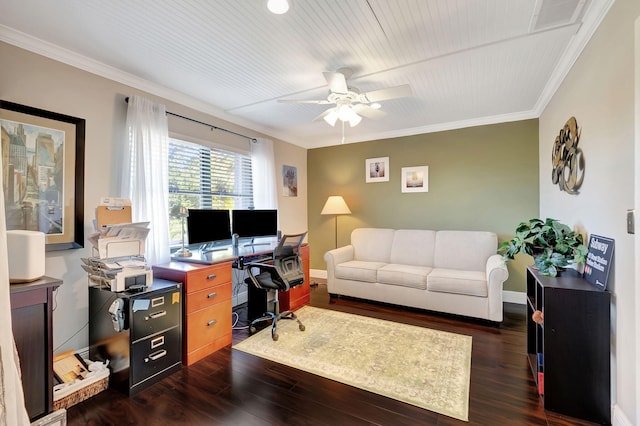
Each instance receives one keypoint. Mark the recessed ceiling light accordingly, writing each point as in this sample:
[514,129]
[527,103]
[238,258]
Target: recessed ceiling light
[278,6]
[375,105]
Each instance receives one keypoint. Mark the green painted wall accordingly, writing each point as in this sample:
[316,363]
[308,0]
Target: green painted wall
[480,178]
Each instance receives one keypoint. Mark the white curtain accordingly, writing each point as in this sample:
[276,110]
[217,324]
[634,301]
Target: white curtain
[263,169]
[12,409]
[145,179]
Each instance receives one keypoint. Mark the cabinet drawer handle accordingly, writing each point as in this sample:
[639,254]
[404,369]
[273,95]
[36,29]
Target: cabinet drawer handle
[156,355]
[158,341]
[211,295]
[212,276]
[155,315]
[158,301]
[212,322]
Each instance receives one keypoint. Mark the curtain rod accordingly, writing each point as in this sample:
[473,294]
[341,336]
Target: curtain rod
[211,126]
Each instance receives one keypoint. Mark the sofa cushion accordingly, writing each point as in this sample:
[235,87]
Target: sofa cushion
[472,283]
[372,244]
[404,275]
[358,270]
[464,250]
[413,247]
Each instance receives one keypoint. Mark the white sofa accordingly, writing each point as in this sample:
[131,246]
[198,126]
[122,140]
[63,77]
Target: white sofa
[456,272]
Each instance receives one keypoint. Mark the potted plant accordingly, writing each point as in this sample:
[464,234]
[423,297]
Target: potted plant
[552,244]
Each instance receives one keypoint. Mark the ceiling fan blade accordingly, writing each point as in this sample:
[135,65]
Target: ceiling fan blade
[337,82]
[304,101]
[384,94]
[367,111]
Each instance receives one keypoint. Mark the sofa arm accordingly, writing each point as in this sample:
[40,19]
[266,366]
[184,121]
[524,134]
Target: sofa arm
[337,256]
[497,274]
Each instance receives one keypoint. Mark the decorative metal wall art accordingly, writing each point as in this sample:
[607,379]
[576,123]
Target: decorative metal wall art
[567,159]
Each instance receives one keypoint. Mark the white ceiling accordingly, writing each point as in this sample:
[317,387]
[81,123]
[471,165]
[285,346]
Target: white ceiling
[468,62]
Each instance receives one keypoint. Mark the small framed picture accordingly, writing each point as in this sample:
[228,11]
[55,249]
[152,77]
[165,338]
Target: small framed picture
[415,179]
[377,169]
[289,181]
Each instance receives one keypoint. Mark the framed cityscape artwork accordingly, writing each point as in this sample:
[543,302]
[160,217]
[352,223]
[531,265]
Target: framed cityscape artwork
[43,173]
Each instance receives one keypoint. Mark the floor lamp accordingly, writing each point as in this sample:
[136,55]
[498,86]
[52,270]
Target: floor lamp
[335,205]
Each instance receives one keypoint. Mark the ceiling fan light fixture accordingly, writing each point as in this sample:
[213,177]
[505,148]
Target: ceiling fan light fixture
[353,121]
[278,7]
[331,118]
[346,113]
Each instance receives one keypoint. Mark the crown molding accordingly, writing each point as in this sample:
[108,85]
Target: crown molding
[65,56]
[432,128]
[572,53]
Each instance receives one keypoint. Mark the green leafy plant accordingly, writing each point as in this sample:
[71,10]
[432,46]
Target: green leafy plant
[552,244]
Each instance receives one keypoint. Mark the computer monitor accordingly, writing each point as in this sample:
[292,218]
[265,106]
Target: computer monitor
[255,223]
[207,226]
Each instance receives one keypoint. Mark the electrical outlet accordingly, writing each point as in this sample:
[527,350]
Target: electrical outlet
[630,222]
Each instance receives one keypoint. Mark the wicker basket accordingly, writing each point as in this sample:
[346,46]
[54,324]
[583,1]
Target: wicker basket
[80,390]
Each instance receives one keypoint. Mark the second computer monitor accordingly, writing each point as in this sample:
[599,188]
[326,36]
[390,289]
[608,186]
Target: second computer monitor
[254,223]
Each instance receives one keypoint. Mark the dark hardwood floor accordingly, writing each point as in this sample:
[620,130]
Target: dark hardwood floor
[235,388]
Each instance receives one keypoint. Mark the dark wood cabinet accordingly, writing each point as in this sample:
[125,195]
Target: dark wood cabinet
[569,352]
[31,318]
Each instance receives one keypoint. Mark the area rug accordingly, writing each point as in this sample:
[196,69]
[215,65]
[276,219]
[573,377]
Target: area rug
[423,367]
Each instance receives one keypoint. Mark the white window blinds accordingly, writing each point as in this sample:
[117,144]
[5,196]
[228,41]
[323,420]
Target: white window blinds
[207,178]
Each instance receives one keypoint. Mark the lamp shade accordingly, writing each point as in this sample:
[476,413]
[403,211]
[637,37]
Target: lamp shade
[335,205]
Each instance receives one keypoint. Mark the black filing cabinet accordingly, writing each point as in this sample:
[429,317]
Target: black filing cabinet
[149,345]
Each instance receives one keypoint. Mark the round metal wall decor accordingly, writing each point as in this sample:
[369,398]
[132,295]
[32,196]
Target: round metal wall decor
[567,159]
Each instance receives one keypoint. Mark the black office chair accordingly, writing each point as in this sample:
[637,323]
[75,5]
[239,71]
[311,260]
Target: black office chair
[282,273]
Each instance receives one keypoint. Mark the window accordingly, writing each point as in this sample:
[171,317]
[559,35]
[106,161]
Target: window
[206,178]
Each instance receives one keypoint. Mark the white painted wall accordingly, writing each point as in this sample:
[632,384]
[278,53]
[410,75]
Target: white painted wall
[599,93]
[33,80]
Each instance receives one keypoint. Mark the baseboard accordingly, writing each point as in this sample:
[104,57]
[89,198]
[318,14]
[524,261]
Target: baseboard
[240,298]
[517,297]
[507,296]
[318,273]
[619,418]
[57,418]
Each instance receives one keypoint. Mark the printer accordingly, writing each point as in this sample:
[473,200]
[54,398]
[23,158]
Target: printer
[127,273]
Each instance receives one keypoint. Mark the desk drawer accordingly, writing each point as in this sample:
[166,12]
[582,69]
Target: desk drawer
[208,277]
[155,354]
[154,314]
[208,324]
[208,297]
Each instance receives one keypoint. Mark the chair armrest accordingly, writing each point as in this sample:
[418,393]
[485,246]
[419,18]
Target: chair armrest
[263,267]
[259,265]
[497,274]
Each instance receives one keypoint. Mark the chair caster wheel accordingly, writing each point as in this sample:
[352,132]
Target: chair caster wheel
[252,330]
[302,327]
[275,337]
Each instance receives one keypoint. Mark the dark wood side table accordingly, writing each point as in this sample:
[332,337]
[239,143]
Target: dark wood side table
[31,317]
[570,351]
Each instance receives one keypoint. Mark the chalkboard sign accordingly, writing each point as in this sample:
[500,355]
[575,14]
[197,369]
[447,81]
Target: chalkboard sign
[596,271]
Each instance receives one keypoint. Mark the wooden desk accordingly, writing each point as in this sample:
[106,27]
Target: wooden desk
[208,301]
[207,306]
[32,319]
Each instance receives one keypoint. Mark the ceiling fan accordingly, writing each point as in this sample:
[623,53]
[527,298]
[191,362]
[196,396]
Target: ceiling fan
[350,104]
